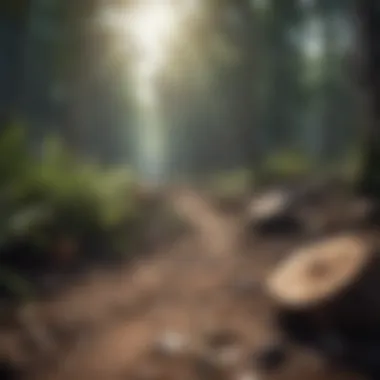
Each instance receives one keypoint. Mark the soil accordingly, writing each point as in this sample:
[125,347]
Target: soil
[169,316]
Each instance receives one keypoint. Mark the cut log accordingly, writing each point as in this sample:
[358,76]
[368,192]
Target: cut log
[329,286]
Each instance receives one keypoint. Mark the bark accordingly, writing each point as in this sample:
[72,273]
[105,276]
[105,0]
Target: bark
[369,30]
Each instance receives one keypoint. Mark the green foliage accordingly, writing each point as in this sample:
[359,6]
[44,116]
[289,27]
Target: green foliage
[79,193]
[230,184]
[353,163]
[57,196]
[13,155]
[286,164]
[349,166]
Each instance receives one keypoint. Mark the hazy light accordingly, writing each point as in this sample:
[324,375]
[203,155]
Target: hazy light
[146,32]
[155,43]
[313,39]
[152,25]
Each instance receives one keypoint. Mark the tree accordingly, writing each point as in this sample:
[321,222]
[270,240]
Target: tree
[13,17]
[369,29]
[284,61]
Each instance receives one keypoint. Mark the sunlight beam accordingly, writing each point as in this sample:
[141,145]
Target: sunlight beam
[157,41]
[149,30]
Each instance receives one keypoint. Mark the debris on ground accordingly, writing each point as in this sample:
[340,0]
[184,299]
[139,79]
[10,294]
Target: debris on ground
[198,310]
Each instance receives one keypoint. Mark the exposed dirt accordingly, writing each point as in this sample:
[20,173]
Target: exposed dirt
[106,326]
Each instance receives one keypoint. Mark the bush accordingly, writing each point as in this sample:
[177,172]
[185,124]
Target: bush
[230,184]
[285,165]
[63,208]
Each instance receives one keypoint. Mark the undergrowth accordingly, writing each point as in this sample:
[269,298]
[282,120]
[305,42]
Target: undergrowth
[59,209]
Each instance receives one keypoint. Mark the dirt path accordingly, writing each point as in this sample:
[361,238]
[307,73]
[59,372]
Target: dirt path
[218,233]
[106,326]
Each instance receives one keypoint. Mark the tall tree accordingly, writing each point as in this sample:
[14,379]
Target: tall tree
[335,92]
[284,17]
[13,27]
[369,29]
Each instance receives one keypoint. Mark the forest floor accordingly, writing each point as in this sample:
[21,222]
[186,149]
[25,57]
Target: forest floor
[109,325]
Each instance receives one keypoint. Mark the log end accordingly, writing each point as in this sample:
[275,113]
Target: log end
[316,273]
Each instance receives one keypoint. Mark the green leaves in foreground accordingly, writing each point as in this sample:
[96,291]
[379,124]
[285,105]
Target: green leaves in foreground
[57,196]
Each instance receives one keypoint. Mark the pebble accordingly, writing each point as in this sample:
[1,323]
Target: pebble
[171,343]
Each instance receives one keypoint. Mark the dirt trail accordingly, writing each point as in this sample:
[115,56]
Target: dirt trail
[106,325]
[218,233]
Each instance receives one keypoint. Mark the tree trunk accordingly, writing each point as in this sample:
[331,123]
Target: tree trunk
[13,27]
[369,29]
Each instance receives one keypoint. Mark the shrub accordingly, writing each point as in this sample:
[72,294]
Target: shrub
[286,165]
[231,184]
[65,209]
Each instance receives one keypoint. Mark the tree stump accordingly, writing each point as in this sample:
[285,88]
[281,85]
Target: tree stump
[329,287]
[273,213]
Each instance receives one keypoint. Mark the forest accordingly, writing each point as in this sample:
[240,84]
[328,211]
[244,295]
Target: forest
[126,124]
[254,91]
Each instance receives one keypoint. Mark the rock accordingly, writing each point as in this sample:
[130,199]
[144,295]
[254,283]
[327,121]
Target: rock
[270,357]
[224,347]
[268,205]
[273,213]
[171,343]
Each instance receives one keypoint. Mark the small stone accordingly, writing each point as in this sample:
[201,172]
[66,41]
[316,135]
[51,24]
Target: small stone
[270,357]
[273,213]
[224,347]
[268,205]
[171,343]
